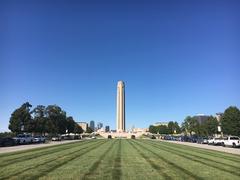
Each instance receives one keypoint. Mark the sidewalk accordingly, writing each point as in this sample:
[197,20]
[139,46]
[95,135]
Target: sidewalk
[33,146]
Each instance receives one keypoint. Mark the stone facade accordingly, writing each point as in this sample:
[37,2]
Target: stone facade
[120,126]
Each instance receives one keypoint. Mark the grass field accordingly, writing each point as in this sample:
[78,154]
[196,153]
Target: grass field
[119,159]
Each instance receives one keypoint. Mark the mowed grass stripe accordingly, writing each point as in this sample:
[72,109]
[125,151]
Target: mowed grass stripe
[26,168]
[121,159]
[199,168]
[174,165]
[49,169]
[211,153]
[117,171]
[101,157]
[12,155]
[79,167]
[156,166]
[39,152]
[60,151]
[189,154]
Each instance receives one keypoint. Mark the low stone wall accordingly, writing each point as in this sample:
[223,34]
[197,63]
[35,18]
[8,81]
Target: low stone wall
[120,134]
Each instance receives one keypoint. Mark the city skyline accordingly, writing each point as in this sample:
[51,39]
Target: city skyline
[177,59]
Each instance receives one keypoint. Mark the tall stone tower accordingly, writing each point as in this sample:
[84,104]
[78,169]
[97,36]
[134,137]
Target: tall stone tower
[120,107]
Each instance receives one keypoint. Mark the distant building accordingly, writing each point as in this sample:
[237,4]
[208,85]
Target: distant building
[161,124]
[83,125]
[92,125]
[101,130]
[201,118]
[99,125]
[107,128]
[139,130]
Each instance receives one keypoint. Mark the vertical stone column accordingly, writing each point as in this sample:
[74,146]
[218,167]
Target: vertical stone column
[120,107]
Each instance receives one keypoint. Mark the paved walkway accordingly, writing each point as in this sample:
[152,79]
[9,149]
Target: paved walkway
[33,146]
[211,147]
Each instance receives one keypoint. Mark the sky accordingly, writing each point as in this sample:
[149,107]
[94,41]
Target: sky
[177,58]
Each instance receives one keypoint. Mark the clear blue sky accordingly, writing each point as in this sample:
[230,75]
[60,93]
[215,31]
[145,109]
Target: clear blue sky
[177,58]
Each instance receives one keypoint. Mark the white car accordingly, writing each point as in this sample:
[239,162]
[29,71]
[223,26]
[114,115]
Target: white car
[56,138]
[233,141]
[23,139]
[215,141]
[39,139]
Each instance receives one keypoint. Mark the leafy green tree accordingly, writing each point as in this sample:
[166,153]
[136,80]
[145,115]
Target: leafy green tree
[20,120]
[177,127]
[173,127]
[162,129]
[191,125]
[56,120]
[89,130]
[152,129]
[70,124]
[231,121]
[186,125]
[39,119]
[78,129]
[209,127]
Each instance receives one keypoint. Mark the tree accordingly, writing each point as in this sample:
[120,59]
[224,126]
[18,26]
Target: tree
[209,127]
[231,121]
[177,127]
[56,120]
[152,129]
[173,127]
[21,119]
[162,129]
[70,124]
[89,130]
[186,125]
[39,119]
[191,125]
[78,129]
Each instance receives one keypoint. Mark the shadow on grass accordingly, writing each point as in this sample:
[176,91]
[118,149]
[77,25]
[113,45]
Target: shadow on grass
[185,171]
[192,158]
[96,164]
[43,173]
[203,151]
[50,150]
[153,165]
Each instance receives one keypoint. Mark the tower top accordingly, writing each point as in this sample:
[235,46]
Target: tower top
[120,83]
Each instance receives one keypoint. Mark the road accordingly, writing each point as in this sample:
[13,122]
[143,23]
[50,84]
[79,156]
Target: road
[210,147]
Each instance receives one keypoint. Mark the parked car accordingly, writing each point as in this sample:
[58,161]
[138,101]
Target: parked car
[167,137]
[233,141]
[202,140]
[56,138]
[215,141]
[7,141]
[24,139]
[39,139]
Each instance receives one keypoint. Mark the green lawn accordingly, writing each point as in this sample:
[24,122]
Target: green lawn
[119,159]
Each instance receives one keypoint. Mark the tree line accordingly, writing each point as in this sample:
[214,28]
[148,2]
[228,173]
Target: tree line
[50,119]
[229,123]
[171,128]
